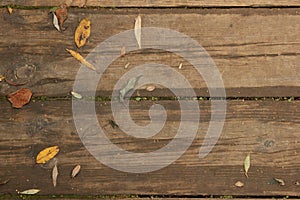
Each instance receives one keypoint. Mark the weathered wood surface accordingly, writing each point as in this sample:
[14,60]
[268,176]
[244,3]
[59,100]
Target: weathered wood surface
[257,51]
[155,3]
[267,129]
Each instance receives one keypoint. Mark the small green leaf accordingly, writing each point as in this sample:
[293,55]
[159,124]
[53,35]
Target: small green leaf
[53,9]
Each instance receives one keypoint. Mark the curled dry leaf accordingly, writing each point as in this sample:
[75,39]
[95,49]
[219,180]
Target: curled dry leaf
[55,22]
[54,175]
[138,30]
[82,32]
[239,184]
[19,98]
[150,88]
[297,183]
[76,95]
[10,10]
[279,181]
[123,51]
[47,154]
[30,191]
[61,14]
[81,59]
[247,164]
[129,86]
[75,171]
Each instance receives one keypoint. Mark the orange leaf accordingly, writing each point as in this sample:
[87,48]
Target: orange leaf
[47,154]
[19,98]
[81,59]
[82,32]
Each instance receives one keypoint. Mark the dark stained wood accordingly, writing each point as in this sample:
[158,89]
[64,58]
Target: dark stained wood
[267,129]
[257,51]
[155,3]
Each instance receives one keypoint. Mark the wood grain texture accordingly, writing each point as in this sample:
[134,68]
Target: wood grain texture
[155,3]
[257,51]
[267,129]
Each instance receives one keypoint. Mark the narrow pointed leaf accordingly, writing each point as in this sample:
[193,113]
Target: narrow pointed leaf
[55,21]
[30,191]
[138,30]
[81,59]
[247,164]
[54,175]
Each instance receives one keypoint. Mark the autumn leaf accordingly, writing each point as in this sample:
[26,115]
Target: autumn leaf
[30,191]
[54,175]
[247,164]
[75,171]
[150,88]
[81,59]
[10,10]
[138,30]
[20,97]
[126,66]
[82,32]
[61,14]
[47,154]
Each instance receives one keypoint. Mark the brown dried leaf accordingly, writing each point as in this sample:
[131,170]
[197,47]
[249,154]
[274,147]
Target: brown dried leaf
[75,171]
[82,32]
[54,175]
[239,184]
[138,30]
[10,10]
[61,14]
[20,97]
[81,59]
[123,51]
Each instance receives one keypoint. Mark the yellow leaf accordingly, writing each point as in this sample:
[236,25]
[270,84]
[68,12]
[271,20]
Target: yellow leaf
[247,164]
[47,154]
[81,59]
[82,32]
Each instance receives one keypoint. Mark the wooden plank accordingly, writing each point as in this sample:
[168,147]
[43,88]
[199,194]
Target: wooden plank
[257,51]
[267,129]
[155,3]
